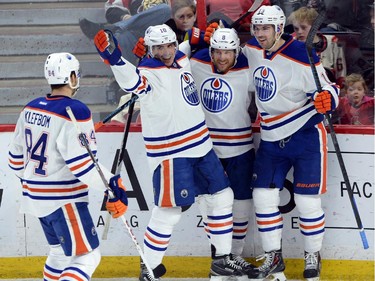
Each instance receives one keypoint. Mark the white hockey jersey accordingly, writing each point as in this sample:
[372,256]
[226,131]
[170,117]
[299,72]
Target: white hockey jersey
[284,85]
[225,99]
[173,122]
[46,154]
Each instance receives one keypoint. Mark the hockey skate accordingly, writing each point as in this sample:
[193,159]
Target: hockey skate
[223,268]
[272,268]
[312,266]
[146,276]
[246,267]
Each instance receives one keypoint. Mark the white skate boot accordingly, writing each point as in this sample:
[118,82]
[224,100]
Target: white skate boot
[312,266]
[272,268]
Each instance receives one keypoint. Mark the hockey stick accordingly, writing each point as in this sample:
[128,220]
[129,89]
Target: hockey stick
[256,4]
[309,46]
[115,112]
[160,269]
[116,169]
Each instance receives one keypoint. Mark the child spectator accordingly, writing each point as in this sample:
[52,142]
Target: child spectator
[184,15]
[330,51]
[355,107]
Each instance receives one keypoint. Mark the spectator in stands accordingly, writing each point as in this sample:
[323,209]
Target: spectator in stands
[289,6]
[366,44]
[355,107]
[184,15]
[244,25]
[228,10]
[128,28]
[117,11]
[327,46]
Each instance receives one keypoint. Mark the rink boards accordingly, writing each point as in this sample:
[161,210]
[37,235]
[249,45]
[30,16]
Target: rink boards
[21,235]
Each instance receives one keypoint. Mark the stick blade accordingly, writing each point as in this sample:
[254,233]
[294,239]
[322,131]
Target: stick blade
[159,271]
[364,239]
[256,4]
[314,29]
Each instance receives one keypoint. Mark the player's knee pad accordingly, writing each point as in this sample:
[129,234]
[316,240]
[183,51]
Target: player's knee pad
[56,258]
[241,208]
[87,262]
[202,206]
[265,198]
[308,205]
[224,197]
[166,216]
[220,202]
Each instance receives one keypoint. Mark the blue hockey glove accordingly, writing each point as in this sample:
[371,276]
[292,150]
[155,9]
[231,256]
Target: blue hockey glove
[118,205]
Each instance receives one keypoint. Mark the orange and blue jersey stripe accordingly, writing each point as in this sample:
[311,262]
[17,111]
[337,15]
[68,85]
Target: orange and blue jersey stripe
[175,143]
[231,137]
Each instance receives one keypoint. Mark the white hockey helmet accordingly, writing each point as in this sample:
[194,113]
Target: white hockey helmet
[269,15]
[58,68]
[225,39]
[159,35]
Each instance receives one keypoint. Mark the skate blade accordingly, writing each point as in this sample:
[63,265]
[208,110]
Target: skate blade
[313,279]
[244,278]
[224,278]
[279,276]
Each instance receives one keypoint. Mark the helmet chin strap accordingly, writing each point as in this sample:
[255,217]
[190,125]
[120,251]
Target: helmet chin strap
[274,44]
[276,40]
[74,88]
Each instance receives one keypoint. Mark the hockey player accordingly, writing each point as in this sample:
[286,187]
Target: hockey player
[56,173]
[223,79]
[177,143]
[292,135]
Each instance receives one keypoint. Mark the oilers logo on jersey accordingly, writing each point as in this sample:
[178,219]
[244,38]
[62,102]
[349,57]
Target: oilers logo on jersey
[216,94]
[265,83]
[189,89]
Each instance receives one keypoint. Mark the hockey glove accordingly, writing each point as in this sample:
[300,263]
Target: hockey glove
[323,102]
[140,48]
[196,39]
[210,31]
[118,205]
[107,47]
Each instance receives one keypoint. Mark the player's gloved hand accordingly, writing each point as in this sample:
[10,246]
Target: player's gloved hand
[210,31]
[140,48]
[323,102]
[107,47]
[118,205]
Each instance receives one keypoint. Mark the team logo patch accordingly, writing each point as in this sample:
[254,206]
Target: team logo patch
[265,83]
[216,94]
[184,193]
[189,89]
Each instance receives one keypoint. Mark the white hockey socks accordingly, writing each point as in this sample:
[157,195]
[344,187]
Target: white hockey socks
[241,215]
[311,221]
[61,267]
[159,232]
[220,220]
[268,217]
